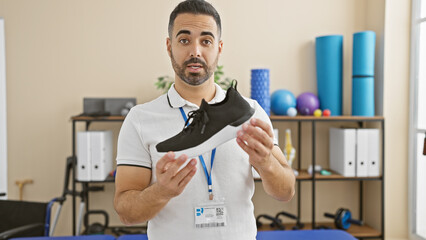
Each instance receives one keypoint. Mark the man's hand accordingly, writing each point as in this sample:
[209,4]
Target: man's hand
[137,201]
[278,179]
[256,139]
[170,180]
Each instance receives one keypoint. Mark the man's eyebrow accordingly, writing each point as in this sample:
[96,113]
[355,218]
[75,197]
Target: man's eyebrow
[183,32]
[207,33]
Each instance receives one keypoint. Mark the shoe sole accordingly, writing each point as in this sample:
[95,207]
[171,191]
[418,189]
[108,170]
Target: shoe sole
[227,133]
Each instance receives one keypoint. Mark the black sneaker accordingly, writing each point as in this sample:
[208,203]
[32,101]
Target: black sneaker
[211,125]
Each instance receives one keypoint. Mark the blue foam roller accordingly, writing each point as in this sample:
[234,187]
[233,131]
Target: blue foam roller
[364,44]
[363,96]
[329,58]
[260,88]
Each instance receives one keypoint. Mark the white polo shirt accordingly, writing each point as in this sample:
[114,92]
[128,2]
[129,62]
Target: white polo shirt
[153,122]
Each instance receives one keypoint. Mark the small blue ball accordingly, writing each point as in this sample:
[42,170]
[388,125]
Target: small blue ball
[292,112]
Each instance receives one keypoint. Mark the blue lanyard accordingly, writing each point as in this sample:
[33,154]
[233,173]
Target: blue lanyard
[208,176]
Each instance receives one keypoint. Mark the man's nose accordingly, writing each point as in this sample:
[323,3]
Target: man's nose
[195,50]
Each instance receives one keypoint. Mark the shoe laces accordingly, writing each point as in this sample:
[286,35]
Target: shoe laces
[198,117]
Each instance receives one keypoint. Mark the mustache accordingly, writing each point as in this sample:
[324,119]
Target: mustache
[196,60]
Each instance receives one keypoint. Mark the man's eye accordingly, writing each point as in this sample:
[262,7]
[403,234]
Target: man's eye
[184,41]
[207,42]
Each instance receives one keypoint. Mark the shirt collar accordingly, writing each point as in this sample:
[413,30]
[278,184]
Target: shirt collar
[176,101]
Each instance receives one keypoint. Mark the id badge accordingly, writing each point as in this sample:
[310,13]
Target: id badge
[210,214]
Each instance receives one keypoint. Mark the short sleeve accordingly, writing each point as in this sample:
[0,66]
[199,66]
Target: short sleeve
[130,147]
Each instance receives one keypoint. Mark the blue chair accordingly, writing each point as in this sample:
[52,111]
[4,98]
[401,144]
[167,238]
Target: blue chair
[133,237]
[305,235]
[279,235]
[82,237]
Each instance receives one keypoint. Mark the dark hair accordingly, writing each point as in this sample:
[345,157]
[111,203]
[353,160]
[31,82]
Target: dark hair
[195,7]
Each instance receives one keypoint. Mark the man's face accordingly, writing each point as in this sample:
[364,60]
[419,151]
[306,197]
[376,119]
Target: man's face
[194,47]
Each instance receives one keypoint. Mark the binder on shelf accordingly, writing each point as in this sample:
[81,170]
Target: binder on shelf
[362,152]
[373,153]
[94,155]
[83,157]
[276,135]
[255,173]
[342,151]
[101,142]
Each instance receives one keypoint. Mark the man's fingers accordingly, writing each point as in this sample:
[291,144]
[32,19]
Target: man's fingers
[255,137]
[254,144]
[246,148]
[174,166]
[163,162]
[258,133]
[184,171]
[187,178]
[168,176]
[263,125]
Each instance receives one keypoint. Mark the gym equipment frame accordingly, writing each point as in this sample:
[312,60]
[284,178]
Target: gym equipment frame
[76,228]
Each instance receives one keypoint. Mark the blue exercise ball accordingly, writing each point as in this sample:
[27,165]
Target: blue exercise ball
[281,101]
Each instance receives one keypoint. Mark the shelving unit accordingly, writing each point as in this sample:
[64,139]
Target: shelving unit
[362,232]
[85,184]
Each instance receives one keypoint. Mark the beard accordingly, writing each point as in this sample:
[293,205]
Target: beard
[193,79]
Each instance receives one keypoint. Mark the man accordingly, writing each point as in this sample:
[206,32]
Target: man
[171,191]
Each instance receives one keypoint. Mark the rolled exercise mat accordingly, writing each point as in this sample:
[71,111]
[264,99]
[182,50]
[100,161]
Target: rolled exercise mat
[329,60]
[363,96]
[364,44]
[363,67]
[260,88]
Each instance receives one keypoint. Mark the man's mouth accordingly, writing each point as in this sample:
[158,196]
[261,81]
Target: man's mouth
[194,67]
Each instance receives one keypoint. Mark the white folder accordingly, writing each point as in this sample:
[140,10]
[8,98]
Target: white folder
[362,152]
[83,156]
[101,154]
[255,173]
[342,151]
[373,153]
[276,134]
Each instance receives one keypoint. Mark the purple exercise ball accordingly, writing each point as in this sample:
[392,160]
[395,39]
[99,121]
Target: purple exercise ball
[307,103]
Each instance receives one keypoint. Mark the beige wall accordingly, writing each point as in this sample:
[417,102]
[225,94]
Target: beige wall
[58,52]
[396,111]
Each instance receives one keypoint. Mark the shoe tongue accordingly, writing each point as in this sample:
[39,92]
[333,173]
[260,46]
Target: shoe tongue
[231,91]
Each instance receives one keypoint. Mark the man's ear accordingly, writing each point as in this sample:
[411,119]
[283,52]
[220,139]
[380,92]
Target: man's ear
[220,46]
[169,46]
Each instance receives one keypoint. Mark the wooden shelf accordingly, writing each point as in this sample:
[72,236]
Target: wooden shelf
[109,179]
[354,230]
[272,117]
[336,176]
[333,118]
[101,118]
[305,176]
